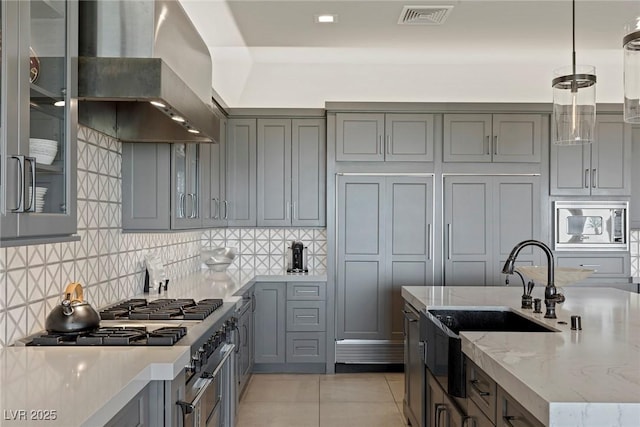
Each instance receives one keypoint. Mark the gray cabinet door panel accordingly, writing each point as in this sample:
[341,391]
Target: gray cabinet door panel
[517,138]
[306,291]
[214,182]
[309,316]
[468,230]
[409,137]
[516,218]
[146,186]
[467,138]
[306,347]
[610,167]
[241,172]
[570,170]
[359,137]
[269,322]
[361,216]
[274,172]
[360,303]
[185,176]
[308,171]
[409,212]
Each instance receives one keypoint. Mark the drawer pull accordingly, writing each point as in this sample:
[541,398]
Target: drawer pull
[306,292]
[305,347]
[305,316]
[589,265]
[507,420]
[474,385]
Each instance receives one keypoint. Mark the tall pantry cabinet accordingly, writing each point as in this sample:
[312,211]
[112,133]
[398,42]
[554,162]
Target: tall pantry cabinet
[384,242]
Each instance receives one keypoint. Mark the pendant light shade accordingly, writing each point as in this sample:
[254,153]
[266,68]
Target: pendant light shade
[631,46]
[574,100]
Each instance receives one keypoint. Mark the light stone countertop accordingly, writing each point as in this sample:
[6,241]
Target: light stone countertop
[87,386]
[568,378]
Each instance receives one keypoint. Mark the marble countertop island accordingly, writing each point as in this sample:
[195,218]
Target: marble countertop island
[567,378]
[87,386]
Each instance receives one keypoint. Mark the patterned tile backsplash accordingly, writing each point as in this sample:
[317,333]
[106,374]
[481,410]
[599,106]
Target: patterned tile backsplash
[109,263]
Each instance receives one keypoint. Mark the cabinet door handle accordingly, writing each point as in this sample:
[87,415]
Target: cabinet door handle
[226,209]
[428,241]
[474,385]
[20,207]
[586,178]
[288,210]
[440,408]
[294,208]
[448,241]
[246,335]
[488,145]
[380,151]
[216,210]
[594,178]
[194,205]
[181,202]
[495,145]
[388,144]
[305,316]
[253,303]
[32,199]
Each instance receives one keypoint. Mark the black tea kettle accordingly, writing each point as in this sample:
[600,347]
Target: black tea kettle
[73,315]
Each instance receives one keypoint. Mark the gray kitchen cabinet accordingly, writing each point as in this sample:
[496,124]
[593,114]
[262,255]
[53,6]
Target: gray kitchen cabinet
[481,138]
[245,342]
[146,187]
[185,185]
[384,243]
[291,172]
[49,209]
[384,137]
[510,411]
[413,402]
[634,205]
[605,265]
[241,172]
[484,217]
[602,168]
[290,327]
[145,409]
[269,321]
[214,204]
[441,409]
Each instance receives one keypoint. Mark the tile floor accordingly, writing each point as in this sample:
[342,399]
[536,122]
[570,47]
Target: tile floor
[290,400]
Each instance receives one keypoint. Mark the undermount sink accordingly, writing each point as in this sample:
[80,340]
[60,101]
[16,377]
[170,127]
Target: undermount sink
[487,321]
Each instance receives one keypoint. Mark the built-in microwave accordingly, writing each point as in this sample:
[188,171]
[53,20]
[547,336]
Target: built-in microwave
[591,225]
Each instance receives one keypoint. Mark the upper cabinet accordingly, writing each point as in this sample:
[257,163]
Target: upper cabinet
[241,172]
[291,172]
[602,168]
[38,150]
[384,137]
[214,205]
[484,138]
[186,179]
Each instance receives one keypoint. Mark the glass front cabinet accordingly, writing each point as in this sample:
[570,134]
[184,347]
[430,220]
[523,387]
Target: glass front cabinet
[38,120]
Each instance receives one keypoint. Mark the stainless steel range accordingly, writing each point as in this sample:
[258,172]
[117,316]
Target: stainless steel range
[204,393]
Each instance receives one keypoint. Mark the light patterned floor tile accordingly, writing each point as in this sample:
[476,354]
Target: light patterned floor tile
[397,389]
[355,390]
[369,414]
[286,390]
[270,414]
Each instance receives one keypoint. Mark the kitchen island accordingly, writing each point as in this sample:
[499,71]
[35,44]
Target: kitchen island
[87,386]
[566,378]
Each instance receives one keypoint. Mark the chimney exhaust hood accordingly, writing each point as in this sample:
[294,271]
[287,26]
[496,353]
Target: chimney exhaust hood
[144,72]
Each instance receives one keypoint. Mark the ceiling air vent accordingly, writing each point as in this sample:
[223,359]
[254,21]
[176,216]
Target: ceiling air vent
[424,15]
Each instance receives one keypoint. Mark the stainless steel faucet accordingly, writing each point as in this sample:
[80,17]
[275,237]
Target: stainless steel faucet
[551,295]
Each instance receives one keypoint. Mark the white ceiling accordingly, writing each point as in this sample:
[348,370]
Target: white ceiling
[271,53]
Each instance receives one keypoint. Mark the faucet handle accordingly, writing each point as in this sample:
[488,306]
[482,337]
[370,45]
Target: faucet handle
[537,305]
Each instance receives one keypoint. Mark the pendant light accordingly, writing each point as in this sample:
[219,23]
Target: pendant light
[574,100]
[631,46]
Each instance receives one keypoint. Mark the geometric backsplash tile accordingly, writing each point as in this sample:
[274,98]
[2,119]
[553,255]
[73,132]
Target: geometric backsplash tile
[110,264]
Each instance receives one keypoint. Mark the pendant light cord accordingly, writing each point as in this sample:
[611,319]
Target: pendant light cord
[574,83]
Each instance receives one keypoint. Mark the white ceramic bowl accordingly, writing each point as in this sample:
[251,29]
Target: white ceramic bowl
[44,150]
[217,266]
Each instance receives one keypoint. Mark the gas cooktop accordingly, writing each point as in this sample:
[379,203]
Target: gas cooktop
[114,335]
[161,309]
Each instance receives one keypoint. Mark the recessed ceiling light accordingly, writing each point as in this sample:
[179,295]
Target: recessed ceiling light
[158,104]
[59,103]
[194,131]
[178,119]
[326,19]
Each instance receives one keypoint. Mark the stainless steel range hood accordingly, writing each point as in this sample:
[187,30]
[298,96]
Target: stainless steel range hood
[134,52]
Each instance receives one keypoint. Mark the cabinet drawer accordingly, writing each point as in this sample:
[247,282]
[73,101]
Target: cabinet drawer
[511,412]
[605,265]
[306,316]
[481,389]
[306,291]
[306,347]
[477,417]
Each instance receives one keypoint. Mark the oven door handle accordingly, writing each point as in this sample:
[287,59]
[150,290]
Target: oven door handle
[189,407]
